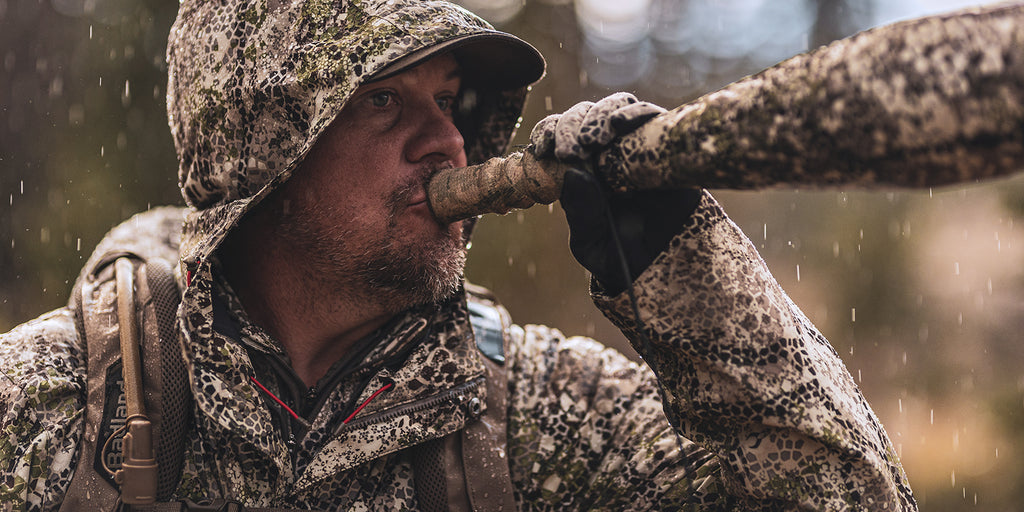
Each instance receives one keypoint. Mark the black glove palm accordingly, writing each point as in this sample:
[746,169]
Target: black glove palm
[644,222]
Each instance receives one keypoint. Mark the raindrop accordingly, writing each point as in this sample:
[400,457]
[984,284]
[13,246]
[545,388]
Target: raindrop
[90,31]
[798,273]
[531,270]
[835,249]
[899,402]
[547,104]
[931,420]
[78,245]
[952,478]
[126,96]
[853,314]
[956,268]
[22,184]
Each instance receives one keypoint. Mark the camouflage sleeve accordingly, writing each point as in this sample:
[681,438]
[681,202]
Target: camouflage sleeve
[587,432]
[745,374]
[42,399]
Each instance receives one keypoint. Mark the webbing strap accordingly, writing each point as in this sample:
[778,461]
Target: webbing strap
[484,444]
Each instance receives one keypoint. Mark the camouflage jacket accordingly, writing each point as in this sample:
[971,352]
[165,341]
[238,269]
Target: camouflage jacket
[751,408]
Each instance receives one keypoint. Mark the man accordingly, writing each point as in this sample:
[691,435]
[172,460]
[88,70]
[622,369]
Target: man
[330,340]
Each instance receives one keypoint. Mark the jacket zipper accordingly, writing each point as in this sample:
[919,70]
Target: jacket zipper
[454,395]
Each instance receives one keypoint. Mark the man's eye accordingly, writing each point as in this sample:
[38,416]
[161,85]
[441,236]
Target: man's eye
[380,99]
[445,103]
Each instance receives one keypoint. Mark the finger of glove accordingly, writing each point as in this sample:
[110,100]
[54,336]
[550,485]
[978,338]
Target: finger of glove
[597,130]
[543,136]
[632,116]
[567,132]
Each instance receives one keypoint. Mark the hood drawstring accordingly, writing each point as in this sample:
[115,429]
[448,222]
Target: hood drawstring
[367,402]
[281,403]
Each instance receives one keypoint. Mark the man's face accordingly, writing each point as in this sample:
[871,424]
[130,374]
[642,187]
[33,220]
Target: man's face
[358,205]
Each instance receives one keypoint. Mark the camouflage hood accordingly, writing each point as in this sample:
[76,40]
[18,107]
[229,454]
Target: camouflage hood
[253,83]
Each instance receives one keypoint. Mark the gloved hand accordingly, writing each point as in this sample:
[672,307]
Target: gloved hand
[588,127]
[644,221]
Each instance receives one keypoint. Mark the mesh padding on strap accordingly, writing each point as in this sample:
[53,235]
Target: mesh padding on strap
[176,414]
[429,476]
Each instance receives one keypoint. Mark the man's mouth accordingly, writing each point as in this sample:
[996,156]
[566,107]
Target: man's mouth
[414,193]
[418,199]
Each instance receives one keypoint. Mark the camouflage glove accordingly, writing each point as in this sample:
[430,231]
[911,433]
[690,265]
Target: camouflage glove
[588,127]
[645,221]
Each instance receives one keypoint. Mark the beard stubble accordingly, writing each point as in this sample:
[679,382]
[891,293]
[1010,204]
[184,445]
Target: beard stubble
[385,266]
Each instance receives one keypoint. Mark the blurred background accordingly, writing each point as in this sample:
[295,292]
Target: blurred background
[921,292]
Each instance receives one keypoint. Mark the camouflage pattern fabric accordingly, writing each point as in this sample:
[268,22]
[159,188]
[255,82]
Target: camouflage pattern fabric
[751,409]
[759,414]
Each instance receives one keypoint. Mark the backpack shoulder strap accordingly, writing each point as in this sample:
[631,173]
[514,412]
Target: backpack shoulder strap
[485,442]
[164,379]
[468,470]
[94,302]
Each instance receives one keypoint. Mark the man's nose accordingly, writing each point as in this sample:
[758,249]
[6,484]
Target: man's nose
[436,137]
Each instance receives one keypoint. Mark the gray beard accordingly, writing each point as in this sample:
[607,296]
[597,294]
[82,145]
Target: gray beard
[407,276]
